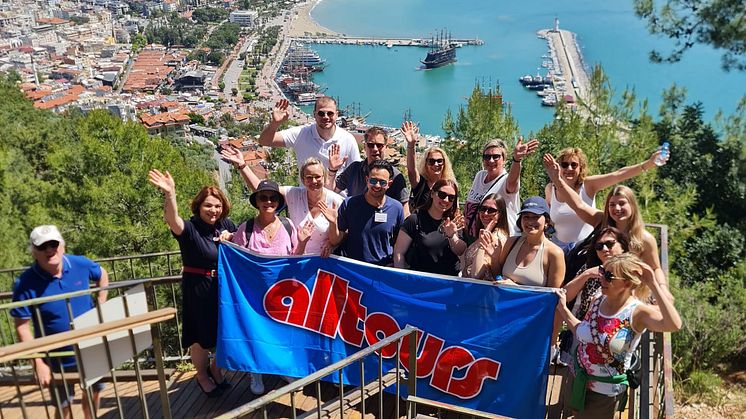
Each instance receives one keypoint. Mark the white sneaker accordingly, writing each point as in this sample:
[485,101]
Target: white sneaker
[257,385]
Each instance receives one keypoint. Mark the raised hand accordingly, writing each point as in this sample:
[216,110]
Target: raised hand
[522,150]
[451,227]
[335,159]
[330,213]
[232,155]
[487,241]
[162,181]
[306,231]
[411,132]
[652,159]
[280,112]
[552,168]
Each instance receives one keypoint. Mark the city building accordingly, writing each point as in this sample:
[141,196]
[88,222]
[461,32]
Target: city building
[244,17]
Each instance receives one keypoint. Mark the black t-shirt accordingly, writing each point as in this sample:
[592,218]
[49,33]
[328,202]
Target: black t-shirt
[419,194]
[430,250]
[198,244]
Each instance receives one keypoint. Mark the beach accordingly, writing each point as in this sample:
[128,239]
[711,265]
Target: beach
[302,24]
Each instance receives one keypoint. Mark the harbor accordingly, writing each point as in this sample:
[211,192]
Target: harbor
[566,78]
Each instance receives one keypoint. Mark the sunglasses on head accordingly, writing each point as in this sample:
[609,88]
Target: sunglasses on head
[488,210]
[489,157]
[53,244]
[375,145]
[377,182]
[607,244]
[446,196]
[327,114]
[566,164]
[268,197]
[433,162]
[603,273]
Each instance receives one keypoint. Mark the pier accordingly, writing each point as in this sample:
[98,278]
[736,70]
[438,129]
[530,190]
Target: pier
[388,42]
[567,57]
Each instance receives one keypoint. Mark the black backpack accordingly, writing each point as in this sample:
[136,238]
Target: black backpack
[581,256]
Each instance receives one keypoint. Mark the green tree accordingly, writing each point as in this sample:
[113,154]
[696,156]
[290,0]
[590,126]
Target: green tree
[718,23]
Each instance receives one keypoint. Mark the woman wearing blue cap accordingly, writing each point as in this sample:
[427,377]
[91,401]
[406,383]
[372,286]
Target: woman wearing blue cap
[531,259]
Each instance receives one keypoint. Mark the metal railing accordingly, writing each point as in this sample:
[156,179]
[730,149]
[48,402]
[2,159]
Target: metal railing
[261,403]
[18,359]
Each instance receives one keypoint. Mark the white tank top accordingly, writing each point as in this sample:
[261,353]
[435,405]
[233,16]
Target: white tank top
[570,228]
[531,274]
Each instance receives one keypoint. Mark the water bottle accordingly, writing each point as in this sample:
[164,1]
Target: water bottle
[661,159]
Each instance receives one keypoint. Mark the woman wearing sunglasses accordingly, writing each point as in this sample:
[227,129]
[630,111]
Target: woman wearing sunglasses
[586,286]
[494,178]
[309,206]
[429,241]
[573,165]
[433,166]
[198,239]
[481,257]
[620,211]
[610,331]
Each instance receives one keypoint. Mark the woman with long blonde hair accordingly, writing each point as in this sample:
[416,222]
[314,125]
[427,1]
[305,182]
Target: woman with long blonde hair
[620,210]
[611,330]
[433,166]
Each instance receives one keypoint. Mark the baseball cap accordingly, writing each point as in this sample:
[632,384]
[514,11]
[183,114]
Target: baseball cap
[45,233]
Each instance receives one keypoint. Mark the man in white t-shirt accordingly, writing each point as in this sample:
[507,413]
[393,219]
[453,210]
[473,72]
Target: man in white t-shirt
[312,140]
[494,179]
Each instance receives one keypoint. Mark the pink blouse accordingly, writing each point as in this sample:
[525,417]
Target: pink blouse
[282,244]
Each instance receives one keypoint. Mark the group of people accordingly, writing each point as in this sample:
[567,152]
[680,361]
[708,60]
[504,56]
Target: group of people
[363,209]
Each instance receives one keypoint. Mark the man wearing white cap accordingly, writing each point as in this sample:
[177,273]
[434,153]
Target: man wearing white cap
[55,273]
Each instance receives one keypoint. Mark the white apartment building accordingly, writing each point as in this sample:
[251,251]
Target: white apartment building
[244,17]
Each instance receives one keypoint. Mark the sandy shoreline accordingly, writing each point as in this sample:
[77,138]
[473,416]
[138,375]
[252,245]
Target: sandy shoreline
[302,24]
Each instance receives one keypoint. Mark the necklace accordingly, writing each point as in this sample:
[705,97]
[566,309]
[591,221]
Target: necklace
[270,230]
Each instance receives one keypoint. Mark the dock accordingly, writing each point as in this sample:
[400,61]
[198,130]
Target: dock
[567,57]
[388,42]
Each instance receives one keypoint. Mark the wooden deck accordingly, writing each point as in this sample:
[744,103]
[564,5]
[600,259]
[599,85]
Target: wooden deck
[188,401]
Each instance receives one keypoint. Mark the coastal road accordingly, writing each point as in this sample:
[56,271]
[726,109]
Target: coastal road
[233,72]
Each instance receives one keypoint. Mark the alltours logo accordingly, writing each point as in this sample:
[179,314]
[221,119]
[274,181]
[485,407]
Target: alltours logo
[333,308]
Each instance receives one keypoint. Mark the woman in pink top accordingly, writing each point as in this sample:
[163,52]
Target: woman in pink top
[270,234]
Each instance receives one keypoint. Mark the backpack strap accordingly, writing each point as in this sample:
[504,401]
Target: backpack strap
[250,227]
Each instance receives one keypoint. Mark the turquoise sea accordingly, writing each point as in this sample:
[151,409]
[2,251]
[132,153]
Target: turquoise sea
[387,81]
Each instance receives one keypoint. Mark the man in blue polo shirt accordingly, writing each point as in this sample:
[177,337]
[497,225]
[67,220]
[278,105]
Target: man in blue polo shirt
[55,273]
[369,222]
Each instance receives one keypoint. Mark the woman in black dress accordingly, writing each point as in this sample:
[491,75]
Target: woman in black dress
[429,239]
[198,240]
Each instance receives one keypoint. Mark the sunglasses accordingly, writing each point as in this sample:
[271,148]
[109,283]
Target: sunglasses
[607,244]
[566,164]
[377,182]
[53,244]
[446,196]
[374,145]
[327,114]
[268,197]
[488,210]
[489,157]
[433,162]
[603,273]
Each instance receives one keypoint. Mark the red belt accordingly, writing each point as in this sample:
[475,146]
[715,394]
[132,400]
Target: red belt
[212,273]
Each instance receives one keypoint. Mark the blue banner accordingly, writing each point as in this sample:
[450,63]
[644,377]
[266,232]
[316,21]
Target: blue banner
[482,346]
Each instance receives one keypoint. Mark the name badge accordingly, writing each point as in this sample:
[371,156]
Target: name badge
[380,217]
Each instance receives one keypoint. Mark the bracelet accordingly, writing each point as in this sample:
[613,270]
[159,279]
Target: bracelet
[516,161]
[241,166]
[333,171]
